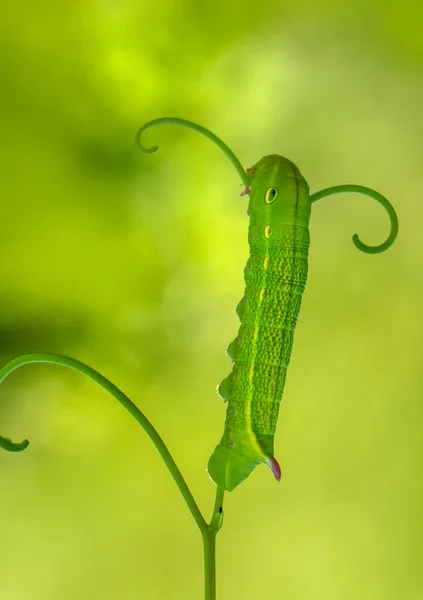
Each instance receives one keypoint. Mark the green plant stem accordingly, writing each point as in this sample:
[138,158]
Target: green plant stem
[209,545]
[245,177]
[361,189]
[126,403]
[208,531]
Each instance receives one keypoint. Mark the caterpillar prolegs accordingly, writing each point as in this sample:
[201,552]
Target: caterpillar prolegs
[275,277]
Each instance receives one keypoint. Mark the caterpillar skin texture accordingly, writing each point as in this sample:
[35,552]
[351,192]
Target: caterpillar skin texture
[275,278]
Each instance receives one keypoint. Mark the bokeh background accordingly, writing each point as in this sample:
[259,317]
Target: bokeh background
[134,265]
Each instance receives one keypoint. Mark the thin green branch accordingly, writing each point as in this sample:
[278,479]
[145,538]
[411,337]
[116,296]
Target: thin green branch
[200,129]
[66,361]
[361,189]
[217,516]
[209,544]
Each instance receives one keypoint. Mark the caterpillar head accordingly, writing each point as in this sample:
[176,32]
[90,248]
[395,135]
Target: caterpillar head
[278,192]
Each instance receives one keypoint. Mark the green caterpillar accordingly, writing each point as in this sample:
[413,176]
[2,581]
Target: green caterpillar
[275,278]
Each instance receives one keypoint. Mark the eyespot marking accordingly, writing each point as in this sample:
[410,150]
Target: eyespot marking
[268,230]
[271,195]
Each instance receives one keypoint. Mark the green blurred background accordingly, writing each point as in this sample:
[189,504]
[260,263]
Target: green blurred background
[134,265]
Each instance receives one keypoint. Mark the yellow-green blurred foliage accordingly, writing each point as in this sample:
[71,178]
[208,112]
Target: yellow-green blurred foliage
[134,264]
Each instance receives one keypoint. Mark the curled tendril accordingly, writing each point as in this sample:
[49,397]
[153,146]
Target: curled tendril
[142,420]
[360,189]
[10,446]
[246,178]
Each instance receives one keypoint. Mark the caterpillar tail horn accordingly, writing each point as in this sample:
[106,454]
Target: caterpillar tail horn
[228,466]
